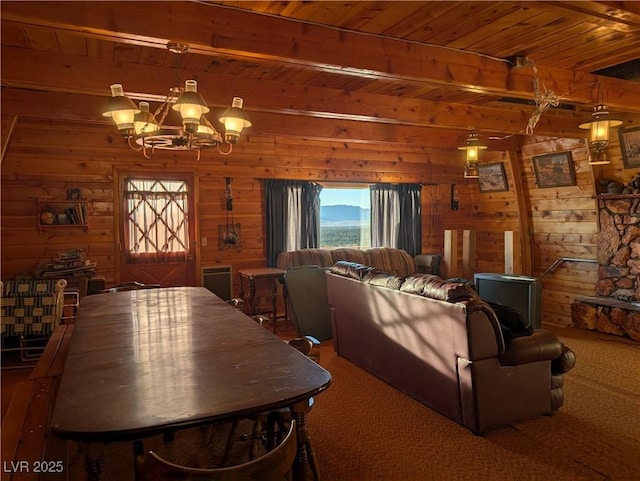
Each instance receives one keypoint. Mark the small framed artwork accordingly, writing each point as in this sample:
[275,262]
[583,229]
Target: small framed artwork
[74,194]
[554,170]
[492,177]
[630,146]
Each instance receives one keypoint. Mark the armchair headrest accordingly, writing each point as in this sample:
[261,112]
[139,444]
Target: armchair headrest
[351,269]
[428,285]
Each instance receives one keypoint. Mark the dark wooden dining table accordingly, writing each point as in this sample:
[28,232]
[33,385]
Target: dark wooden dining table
[148,362]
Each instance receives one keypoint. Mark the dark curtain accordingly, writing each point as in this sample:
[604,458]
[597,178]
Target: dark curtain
[292,210]
[396,217]
[410,230]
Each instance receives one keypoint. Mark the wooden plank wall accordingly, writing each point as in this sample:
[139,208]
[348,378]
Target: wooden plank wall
[44,159]
[564,225]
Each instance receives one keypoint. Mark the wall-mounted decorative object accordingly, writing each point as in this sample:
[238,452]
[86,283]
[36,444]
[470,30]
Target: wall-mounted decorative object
[492,177]
[455,203]
[554,170]
[74,194]
[630,146]
[229,234]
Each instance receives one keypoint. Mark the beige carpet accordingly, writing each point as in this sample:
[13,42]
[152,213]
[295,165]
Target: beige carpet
[363,430]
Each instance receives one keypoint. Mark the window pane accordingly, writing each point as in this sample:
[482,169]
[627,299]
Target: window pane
[156,216]
[345,218]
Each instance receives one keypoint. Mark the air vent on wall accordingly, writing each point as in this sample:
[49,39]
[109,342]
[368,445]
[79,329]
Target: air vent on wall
[218,280]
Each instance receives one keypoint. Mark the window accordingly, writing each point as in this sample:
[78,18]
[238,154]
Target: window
[156,224]
[345,217]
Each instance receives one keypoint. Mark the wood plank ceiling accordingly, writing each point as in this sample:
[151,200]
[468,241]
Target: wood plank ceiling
[412,71]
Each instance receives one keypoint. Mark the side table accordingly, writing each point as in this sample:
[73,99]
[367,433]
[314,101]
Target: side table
[248,278]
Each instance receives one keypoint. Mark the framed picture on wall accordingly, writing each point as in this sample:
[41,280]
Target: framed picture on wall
[554,170]
[630,146]
[492,177]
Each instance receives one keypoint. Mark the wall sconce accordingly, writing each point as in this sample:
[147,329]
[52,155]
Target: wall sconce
[599,127]
[472,148]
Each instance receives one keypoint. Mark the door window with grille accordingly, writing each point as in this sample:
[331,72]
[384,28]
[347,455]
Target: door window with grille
[157,220]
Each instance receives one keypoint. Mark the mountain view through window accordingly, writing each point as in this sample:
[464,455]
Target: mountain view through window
[345,218]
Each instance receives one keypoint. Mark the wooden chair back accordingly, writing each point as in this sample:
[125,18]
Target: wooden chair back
[276,465]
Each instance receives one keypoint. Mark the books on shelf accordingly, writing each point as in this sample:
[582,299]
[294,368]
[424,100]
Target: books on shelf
[77,214]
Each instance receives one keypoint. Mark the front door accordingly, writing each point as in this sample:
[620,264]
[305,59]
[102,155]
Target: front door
[156,229]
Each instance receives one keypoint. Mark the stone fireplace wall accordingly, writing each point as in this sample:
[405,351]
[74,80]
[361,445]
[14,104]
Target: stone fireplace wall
[615,310]
[619,248]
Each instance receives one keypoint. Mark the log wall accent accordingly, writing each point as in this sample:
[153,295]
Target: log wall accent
[45,158]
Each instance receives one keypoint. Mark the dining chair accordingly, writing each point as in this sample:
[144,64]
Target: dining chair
[275,465]
[236,302]
[269,426]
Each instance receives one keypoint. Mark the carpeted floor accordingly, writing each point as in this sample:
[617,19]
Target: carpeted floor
[364,430]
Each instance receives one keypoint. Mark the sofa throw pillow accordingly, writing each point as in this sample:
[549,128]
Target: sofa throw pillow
[511,322]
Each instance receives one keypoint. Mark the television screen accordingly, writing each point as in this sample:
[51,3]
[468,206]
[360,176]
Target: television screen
[522,293]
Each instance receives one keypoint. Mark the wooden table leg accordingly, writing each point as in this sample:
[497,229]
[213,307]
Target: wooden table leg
[93,454]
[274,301]
[305,456]
[252,294]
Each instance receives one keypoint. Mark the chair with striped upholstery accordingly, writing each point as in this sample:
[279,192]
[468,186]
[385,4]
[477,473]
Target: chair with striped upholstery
[30,311]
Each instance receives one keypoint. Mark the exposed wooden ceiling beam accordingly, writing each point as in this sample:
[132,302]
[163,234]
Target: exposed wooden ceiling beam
[63,106]
[85,75]
[212,29]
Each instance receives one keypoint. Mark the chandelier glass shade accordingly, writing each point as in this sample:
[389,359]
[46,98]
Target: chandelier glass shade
[599,126]
[472,155]
[146,131]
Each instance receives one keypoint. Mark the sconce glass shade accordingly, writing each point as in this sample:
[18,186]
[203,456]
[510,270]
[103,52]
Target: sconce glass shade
[191,106]
[473,148]
[599,127]
[234,120]
[144,122]
[121,110]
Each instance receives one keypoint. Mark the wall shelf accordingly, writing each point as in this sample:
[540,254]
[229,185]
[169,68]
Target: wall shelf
[54,214]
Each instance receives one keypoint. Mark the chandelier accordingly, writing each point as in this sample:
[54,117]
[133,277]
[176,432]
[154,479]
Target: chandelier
[147,132]
[472,148]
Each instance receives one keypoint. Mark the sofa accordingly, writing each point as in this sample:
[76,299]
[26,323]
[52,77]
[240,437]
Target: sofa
[306,286]
[388,259]
[439,343]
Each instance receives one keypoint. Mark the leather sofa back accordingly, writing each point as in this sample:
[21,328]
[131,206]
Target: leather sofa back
[438,342]
[393,261]
[410,341]
[426,285]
